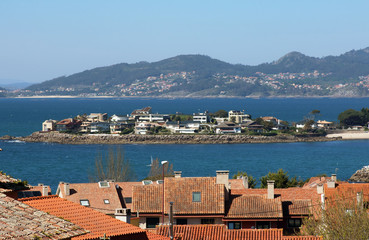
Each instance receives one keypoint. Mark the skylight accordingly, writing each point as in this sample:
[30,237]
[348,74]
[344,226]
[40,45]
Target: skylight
[85,202]
[104,184]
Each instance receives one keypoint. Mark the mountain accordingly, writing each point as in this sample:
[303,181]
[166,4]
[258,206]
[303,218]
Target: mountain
[16,85]
[294,74]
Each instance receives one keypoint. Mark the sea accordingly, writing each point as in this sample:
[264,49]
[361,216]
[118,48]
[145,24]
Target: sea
[51,163]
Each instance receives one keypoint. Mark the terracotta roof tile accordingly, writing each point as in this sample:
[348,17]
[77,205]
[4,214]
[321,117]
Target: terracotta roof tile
[148,198]
[220,232]
[20,221]
[95,195]
[97,223]
[255,206]
[180,190]
[347,190]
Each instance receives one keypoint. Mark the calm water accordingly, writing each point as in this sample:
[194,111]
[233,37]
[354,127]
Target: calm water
[52,163]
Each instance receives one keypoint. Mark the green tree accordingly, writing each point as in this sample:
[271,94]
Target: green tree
[351,117]
[308,127]
[156,170]
[112,166]
[251,179]
[220,113]
[281,178]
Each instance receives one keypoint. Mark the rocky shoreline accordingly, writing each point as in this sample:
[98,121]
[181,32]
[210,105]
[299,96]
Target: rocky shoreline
[64,138]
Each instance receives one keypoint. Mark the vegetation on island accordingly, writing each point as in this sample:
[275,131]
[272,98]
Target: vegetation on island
[294,74]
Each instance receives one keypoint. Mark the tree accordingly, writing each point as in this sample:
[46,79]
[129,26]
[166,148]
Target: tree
[221,113]
[251,179]
[112,166]
[341,219]
[351,117]
[156,170]
[281,178]
[308,125]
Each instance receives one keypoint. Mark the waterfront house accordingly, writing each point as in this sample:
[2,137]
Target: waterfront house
[145,111]
[85,127]
[227,127]
[97,117]
[201,117]
[68,124]
[119,127]
[142,128]
[117,118]
[325,124]
[49,125]
[99,127]
[253,126]
[183,127]
[238,116]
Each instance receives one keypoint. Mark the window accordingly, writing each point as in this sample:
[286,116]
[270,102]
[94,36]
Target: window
[181,221]
[262,225]
[106,201]
[234,225]
[159,181]
[128,200]
[103,184]
[207,221]
[146,182]
[152,222]
[294,222]
[85,202]
[196,197]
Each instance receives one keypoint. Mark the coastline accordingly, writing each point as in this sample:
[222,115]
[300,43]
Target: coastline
[64,138]
[350,135]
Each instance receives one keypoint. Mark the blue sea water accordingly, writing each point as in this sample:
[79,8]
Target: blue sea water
[51,163]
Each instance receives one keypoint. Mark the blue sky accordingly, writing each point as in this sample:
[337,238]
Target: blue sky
[41,40]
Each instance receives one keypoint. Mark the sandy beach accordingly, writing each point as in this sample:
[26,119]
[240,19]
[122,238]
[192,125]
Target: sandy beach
[350,135]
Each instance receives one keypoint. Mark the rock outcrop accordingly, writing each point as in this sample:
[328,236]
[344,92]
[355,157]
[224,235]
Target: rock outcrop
[64,138]
[361,175]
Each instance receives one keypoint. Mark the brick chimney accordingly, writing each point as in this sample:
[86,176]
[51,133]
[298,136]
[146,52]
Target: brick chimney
[270,189]
[177,174]
[66,189]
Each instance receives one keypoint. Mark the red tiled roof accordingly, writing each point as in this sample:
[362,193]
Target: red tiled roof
[347,190]
[94,194]
[97,223]
[180,190]
[20,221]
[298,200]
[314,181]
[236,183]
[255,206]
[220,232]
[148,198]
[127,190]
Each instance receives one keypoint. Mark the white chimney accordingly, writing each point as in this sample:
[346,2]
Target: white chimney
[334,177]
[320,188]
[331,183]
[123,214]
[66,189]
[45,191]
[177,174]
[359,200]
[270,189]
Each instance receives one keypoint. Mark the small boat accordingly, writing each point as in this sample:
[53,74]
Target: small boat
[1,149]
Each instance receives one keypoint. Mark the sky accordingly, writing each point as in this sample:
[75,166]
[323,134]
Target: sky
[42,40]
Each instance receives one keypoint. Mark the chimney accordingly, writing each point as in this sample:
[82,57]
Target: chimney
[331,183]
[40,184]
[320,188]
[123,214]
[359,200]
[66,189]
[177,174]
[270,189]
[334,177]
[45,191]
[245,182]
[222,178]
